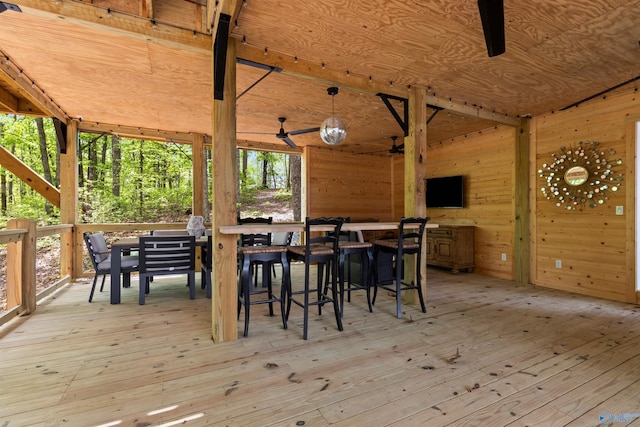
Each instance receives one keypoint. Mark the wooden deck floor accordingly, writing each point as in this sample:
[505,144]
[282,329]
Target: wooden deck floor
[487,353]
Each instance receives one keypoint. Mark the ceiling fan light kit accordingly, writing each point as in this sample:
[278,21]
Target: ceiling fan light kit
[333,130]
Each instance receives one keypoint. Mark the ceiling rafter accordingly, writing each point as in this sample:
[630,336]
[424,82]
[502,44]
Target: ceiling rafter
[319,73]
[138,133]
[13,75]
[110,20]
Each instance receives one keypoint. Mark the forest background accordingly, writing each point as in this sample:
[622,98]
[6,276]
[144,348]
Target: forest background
[128,180]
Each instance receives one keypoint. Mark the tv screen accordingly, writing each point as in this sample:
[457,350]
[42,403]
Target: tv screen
[445,192]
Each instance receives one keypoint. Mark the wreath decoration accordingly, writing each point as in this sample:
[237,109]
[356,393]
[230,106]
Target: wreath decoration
[581,175]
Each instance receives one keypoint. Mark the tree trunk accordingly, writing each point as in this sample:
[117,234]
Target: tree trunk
[295,163]
[265,169]
[245,163]
[140,180]
[44,158]
[116,166]
[287,167]
[3,192]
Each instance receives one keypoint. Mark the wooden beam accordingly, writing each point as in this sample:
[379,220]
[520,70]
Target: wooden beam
[104,19]
[139,133]
[522,236]
[21,268]
[70,253]
[224,299]
[29,176]
[8,102]
[316,72]
[632,292]
[39,104]
[415,165]
[215,8]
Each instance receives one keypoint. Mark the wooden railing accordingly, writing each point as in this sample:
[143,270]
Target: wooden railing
[20,237]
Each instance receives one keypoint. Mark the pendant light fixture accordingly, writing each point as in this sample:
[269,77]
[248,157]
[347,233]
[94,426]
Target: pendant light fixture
[333,130]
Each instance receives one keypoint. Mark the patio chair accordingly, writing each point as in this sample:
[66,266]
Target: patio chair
[100,256]
[167,255]
[409,242]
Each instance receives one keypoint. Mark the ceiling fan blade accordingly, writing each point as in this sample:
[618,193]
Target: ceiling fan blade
[301,131]
[287,140]
[373,152]
[256,133]
[492,16]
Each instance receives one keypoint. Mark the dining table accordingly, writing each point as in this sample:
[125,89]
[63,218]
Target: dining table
[128,244]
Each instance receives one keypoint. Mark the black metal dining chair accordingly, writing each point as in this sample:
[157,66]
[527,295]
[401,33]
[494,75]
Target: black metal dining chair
[100,256]
[409,242]
[320,249]
[167,255]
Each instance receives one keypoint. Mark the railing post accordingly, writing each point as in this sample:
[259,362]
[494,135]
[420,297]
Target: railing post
[21,268]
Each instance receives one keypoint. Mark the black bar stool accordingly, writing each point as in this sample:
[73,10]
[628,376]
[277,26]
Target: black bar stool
[409,242]
[321,250]
[350,245]
[266,255]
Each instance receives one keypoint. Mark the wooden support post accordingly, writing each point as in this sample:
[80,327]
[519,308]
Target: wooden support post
[415,164]
[21,268]
[224,299]
[70,253]
[522,242]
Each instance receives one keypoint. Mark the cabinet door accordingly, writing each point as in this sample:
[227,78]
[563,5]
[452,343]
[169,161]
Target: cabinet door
[444,249]
[431,254]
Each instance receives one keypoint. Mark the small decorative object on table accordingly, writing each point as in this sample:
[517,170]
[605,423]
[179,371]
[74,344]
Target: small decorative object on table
[195,226]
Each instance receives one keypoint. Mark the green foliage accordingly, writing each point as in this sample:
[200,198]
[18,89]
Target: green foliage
[283,195]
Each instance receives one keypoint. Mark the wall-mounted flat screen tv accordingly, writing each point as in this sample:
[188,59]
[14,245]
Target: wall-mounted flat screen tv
[445,192]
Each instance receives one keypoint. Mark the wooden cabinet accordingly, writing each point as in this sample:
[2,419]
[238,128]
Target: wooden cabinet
[451,246]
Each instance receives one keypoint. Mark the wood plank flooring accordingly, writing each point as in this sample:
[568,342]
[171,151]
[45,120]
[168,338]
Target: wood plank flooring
[486,353]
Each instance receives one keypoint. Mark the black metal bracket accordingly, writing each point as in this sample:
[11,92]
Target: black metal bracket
[436,110]
[270,69]
[404,124]
[220,55]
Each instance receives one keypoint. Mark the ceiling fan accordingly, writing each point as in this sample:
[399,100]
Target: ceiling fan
[284,136]
[399,149]
[395,149]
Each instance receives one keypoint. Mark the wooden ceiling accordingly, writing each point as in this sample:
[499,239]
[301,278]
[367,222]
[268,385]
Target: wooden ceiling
[147,64]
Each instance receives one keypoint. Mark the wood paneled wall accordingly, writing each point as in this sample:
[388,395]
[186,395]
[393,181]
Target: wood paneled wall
[343,184]
[593,244]
[486,159]
[590,243]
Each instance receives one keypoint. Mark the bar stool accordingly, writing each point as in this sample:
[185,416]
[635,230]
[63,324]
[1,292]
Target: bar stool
[346,249]
[266,255]
[256,239]
[321,250]
[409,242]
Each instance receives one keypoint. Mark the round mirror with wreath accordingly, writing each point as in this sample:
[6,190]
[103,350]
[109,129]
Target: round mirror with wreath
[581,175]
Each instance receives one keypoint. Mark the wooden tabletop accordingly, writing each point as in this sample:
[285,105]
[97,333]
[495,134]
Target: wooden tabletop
[299,227]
